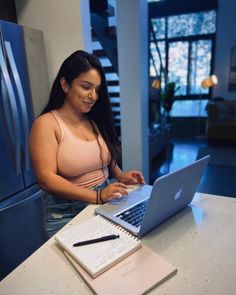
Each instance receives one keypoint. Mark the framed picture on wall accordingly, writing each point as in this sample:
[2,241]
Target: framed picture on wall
[232,71]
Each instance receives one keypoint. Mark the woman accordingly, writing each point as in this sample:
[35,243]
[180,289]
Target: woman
[73,144]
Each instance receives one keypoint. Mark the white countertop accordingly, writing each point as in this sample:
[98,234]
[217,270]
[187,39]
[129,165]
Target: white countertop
[200,241]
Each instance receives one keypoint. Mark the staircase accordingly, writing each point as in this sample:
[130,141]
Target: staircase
[105,48]
[104,45]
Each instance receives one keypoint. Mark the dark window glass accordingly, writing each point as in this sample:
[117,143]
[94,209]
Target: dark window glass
[191,24]
[159,27]
[187,41]
[200,65]
[178,65]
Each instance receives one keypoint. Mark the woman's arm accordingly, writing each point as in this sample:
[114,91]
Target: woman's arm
[43,144]
[129,177]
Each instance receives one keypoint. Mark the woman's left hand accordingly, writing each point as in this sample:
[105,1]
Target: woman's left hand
[131,177]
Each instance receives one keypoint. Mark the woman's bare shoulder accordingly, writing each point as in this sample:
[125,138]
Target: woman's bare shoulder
[45,120]
[45,126]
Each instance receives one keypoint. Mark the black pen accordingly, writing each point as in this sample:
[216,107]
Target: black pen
[102,239]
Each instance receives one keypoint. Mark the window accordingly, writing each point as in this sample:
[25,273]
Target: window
[181,49]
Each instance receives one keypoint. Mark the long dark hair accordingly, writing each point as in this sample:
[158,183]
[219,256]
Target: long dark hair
[101,114]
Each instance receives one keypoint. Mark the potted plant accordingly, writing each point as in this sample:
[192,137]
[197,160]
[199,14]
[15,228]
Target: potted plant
[167,97]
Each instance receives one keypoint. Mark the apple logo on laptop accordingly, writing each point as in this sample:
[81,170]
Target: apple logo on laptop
[178,194]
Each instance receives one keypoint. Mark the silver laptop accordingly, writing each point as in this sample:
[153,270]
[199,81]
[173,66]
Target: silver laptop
[148,206]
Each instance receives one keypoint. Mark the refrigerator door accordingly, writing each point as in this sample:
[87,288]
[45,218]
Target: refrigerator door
[11,180]
[13,43]
[21,227]
[22,104]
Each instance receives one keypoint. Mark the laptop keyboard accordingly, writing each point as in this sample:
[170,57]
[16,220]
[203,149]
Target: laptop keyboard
[135,214]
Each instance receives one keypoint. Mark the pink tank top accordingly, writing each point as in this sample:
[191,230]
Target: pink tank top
[79,161]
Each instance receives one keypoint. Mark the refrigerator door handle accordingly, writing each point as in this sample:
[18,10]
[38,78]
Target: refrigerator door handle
[15,115]
[22,100]
[6,111]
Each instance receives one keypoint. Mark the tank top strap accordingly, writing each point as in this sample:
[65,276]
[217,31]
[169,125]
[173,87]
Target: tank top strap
[60,123]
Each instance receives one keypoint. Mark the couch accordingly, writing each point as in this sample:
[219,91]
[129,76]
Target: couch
[221,123]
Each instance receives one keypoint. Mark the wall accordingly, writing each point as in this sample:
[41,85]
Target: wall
[132,38]
[225,40]
[65,24]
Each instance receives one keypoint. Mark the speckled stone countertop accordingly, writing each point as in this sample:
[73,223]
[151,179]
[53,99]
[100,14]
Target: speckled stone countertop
[200,241]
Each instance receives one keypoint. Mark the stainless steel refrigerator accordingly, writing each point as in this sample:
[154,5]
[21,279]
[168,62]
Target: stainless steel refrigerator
[24,89]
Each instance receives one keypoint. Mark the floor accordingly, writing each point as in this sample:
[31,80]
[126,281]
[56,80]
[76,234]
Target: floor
[219,180]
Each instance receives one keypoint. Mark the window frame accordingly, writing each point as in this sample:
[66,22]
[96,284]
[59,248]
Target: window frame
[190,39]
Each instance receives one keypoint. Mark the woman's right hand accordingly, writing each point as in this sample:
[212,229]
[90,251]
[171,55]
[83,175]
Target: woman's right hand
[113,191]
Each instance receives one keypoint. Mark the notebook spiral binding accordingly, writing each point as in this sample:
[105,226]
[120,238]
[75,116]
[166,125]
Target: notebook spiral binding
[119,227]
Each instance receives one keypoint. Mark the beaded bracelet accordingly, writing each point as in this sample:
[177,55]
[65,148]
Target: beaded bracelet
[97,196]
[100,197]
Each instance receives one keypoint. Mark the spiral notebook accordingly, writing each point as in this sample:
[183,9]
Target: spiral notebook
[98,257]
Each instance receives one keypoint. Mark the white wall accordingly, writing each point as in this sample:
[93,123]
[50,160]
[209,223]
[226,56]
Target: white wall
[225,40]
[65,24]
[132,38]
